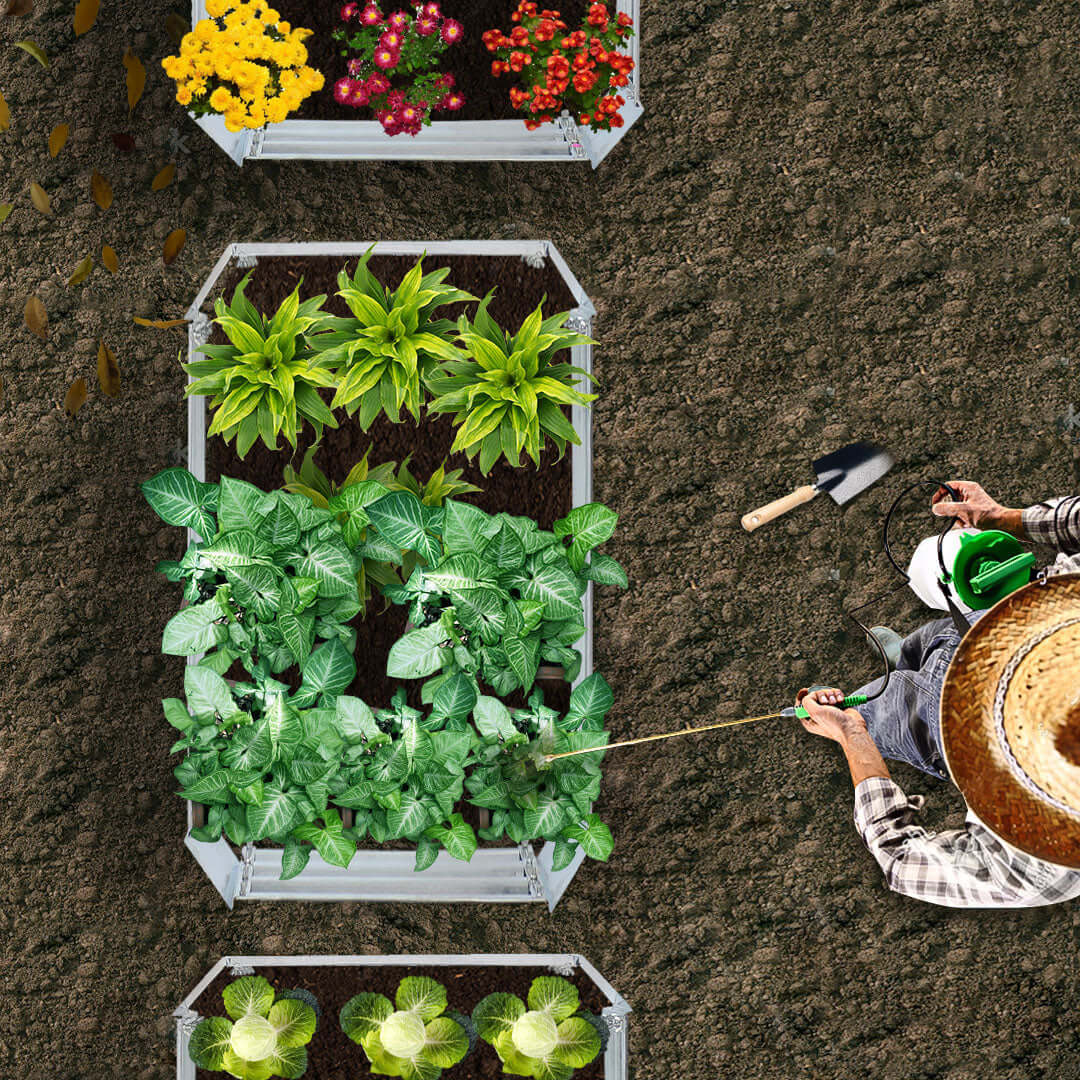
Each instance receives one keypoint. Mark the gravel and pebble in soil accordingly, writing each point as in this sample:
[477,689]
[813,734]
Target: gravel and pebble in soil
[838,219]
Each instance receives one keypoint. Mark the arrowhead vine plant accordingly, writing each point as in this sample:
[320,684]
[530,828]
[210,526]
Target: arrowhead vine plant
[413,1037]
[548,1038]
[264,1036]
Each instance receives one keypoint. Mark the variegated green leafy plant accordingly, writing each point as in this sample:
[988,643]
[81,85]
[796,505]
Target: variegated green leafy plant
[265,1035]
[266,381]
[546,1039]
[506,392]
[413,1037]
[383,353]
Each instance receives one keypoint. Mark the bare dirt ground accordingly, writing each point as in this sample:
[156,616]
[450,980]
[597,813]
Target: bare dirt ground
[838,219]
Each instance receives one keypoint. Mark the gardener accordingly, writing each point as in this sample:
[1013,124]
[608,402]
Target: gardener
[1007,712]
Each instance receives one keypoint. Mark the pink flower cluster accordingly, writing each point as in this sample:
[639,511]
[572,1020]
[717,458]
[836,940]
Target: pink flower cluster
[403,45]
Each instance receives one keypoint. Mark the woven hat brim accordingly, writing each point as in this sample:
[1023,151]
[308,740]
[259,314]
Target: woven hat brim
[973,751]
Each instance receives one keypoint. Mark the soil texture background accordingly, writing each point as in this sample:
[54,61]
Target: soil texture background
[839,219]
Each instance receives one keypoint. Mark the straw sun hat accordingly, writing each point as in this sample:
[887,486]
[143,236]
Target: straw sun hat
[1010,719]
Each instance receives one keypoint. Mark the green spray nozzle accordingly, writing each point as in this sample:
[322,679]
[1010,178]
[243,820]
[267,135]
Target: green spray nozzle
[852,701]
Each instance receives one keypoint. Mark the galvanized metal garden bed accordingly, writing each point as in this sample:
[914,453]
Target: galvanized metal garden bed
[615,1013]
[444,140]
[494,875]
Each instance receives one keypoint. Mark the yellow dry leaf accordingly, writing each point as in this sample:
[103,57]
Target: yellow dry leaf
[40,198]
[36,318]
[5,114]
[101,189]
[86,13]
[108,371]
[35,50]
[163,178]
[159,324]
[75,398]
[82,271]
[109,259]
[5,209]
[176,27]
[174,244]
[57,137]
[136,79]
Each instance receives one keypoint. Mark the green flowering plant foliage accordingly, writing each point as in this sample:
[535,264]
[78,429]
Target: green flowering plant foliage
[546,1038]
[413,1036]
[529,798]
[272,579]
[384,352]
[264,1035]
[502,596]
[506,392]
[266,381]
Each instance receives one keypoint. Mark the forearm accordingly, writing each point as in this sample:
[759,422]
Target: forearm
[863,757]
[1010,521]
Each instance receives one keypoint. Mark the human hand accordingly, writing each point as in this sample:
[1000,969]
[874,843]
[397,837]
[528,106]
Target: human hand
[975,509]
[825,718]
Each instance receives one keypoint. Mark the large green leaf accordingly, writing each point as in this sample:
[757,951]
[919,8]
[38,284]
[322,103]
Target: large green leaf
[329,841]
[356,722]
[446,1043]
[210,1042]
[294,858]
[554,995]
[458,837]
[208,694]
[495,1014]
[605,570]
[210,789]
[556,587]
[236,549]
[331,564]
[240,505]
[418,653]
[589,525]
[591,698]
[401,518]
[242,1069]
[250,995]
[298,633]
[328,670]
[363,1014]
[289,1063]
[546,819]
[179,499]
[276,816]
[294,1021]
[409,819]
[593,836]
[466,527]
[194,630]
[523,655]
[456,697]
[421,995]
[284,726]
[493,719]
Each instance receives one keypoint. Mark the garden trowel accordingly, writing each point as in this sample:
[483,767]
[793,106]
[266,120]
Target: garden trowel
[843,474]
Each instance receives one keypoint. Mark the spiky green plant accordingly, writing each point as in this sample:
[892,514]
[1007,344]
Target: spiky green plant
[383,353]
[506,394]
[266,381]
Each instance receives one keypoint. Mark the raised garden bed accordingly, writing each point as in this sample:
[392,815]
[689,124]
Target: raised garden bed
[486,129]
[523,273]
[334,980]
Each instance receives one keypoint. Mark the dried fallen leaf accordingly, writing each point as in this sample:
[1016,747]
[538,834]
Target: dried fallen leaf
[174,244]
[40,198]
[57,137]
[19,7]
[5,114]
[101,189]
[159,324]
[75,398]
[86,13]
[163,178]
[36,318]
[109,259]
[35,50]
[176,27]
[82,271]
[108,372]
[5,209]
[124,142]
[136,79]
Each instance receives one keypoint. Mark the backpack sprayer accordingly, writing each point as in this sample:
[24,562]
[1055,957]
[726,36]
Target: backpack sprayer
[986,566]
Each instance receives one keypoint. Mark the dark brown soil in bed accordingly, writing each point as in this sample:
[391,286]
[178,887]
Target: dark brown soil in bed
[486,97]
[542,493]
[334,1056]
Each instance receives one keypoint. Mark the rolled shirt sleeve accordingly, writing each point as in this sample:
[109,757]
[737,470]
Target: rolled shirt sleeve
[1056,523]
[963,868]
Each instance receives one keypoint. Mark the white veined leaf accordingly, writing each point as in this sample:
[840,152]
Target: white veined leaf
[237,549]
[208,694]
[466,527]
[555,996]
[240,505]
[497,1013]
[592,697]
[446,1042]
[193,630]
[328,670]
[249,995]
[579,1043]
[605,570]
[275,816]
[593,836]
[400,517]
[410,818]
[421,995]
[331,564]
[209,1042]
[493,718]
[363,1014]
[546,820]
[557,588]
[179,499]
[589,525]
[418,653]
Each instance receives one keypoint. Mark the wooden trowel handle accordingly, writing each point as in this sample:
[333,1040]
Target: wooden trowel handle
[771,511]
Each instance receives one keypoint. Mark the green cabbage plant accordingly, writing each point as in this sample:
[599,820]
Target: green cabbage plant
[272,579]
[503,596]
[266,381]
[266,1034]
[384,352]
[547,1040]
[506,392]
[413,1037]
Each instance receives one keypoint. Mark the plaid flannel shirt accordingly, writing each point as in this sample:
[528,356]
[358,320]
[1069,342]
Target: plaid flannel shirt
[970,867]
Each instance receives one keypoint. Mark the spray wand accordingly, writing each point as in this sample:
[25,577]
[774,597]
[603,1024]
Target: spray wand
[852,701]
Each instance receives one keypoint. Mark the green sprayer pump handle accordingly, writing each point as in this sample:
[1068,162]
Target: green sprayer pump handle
[852,701]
